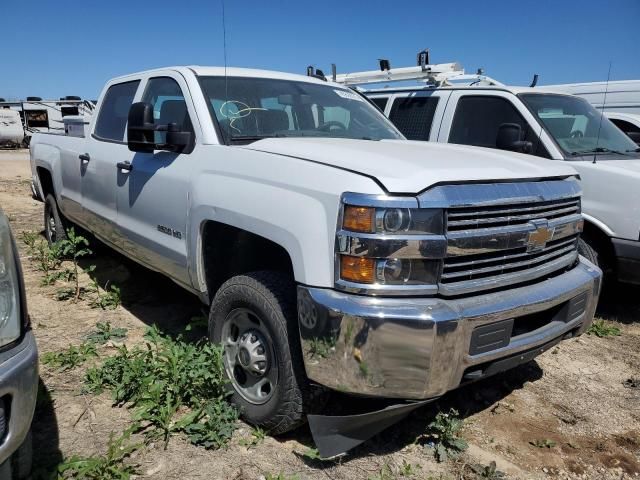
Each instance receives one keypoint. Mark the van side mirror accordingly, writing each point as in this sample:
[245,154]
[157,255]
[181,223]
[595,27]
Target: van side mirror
[635,136]
[140,128]
[141,132]
[509,137]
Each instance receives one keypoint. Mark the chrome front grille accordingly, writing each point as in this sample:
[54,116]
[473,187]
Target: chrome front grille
[493,245]
[469,218]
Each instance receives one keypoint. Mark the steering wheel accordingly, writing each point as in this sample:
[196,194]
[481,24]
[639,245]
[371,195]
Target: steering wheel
[577,134]
[326,126]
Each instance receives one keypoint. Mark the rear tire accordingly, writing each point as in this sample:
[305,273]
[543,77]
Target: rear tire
[55,228]
[254,317]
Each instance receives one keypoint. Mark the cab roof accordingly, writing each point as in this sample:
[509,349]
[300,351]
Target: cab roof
[232,72]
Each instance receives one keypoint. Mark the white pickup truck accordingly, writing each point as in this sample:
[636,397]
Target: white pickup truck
[547,124]
[332,251]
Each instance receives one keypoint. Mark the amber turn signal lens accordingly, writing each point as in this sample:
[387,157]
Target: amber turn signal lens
[359,219]
[357,269]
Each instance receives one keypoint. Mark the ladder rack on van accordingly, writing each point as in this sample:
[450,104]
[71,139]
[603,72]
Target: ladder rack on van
[440,74]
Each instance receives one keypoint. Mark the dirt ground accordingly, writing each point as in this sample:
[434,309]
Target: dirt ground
[573,395]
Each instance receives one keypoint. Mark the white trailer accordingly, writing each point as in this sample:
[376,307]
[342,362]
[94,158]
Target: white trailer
[11,131]
[39,115]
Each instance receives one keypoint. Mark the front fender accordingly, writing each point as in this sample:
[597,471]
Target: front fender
[288,201]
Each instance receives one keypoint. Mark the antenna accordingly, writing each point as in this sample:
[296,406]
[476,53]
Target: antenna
[224,47]
[604,103]
[534,82]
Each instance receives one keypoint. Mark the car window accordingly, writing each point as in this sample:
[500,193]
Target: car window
[249,109]
[413,116]
[380,102]
[169,106]
[114,111]
[478,118]
[626,127]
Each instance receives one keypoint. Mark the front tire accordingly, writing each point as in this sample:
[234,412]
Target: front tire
[588,252]
[253,316]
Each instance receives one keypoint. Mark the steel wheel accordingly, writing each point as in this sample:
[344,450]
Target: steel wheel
[248,356]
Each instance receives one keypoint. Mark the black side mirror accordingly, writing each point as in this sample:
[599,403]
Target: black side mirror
[177,140]
[509,137]
[140,128]
[141,132]
[635,136]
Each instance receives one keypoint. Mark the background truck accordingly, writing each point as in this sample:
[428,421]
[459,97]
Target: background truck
[451,107]
[300,214]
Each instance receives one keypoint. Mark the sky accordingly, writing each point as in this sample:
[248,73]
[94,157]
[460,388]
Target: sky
[53,48]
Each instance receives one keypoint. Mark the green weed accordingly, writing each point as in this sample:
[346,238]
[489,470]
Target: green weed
[111,466]
[488,472]
[544,443]
[105,332]
[107,299]
[281,476]
[75,247]
[257,437]
[445,432]
[71,357]
[164,379]
[602,329]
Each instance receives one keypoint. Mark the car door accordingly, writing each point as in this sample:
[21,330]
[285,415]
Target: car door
[153,189]
[473,117]
[417,114]
[105,150]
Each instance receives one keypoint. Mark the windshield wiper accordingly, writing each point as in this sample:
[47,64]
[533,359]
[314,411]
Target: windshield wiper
[599,150]
[251,138]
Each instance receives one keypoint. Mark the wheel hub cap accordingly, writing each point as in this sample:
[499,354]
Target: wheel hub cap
[249,357]
[251,353]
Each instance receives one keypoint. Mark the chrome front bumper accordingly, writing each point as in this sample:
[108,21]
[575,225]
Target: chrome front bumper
[18,391]
[418,348]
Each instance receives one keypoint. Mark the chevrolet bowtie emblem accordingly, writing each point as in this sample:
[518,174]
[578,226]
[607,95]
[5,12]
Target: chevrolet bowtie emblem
[538,239]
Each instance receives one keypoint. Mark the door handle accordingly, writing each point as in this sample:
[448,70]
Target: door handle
[84,157]
[125,166]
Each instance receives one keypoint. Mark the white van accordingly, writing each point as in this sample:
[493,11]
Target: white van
[617,96]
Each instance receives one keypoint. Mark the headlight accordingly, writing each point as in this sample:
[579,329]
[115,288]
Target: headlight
[9,285]
[386,245]
[392,220]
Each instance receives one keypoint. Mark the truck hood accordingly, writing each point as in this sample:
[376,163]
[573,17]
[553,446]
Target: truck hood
[404,166]
[630,167]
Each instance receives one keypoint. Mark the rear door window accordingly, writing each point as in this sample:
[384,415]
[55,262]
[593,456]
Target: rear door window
[380,102]
[478,118]
[413,116]
[114,111]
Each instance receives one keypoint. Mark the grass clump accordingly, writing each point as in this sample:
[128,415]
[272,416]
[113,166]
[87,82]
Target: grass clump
[107,298]
[110,466]
[257,437]
[488,472]
[71,357]
[173,386]
[105,332]
[602,329]
[445,433]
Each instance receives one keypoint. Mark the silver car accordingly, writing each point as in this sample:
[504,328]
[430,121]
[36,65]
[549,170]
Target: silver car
[18,364]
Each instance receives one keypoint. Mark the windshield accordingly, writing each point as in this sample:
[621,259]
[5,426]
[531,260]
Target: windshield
[249,109]
[577,127]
